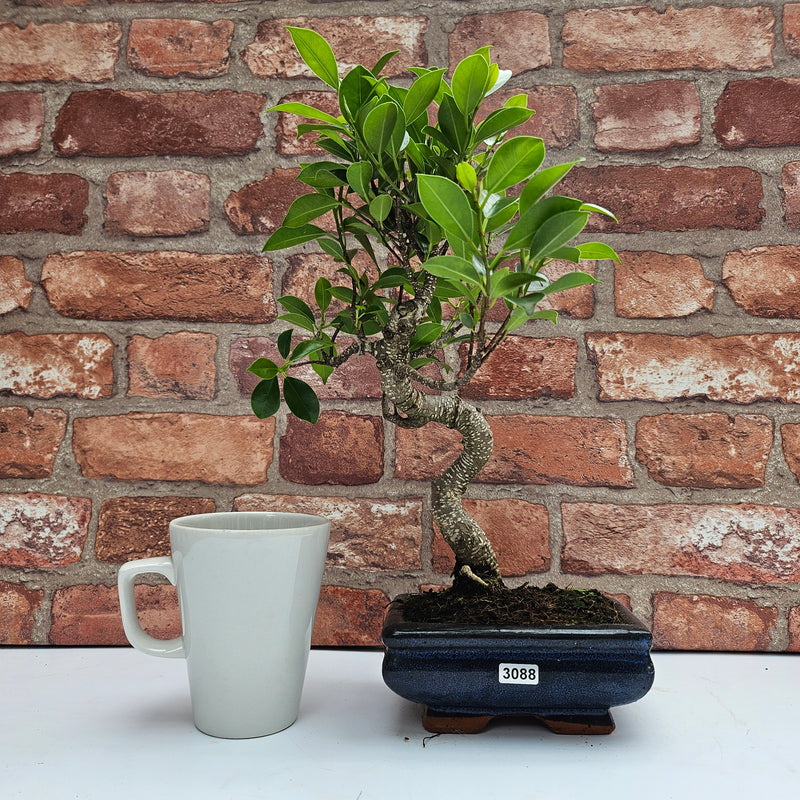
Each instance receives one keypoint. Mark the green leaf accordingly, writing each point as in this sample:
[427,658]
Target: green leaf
[301,399]
[336,147]
[557,231]
[598,210]
[383,61]
[426,333]
[597,250]
[317,53]
[266,398]
[453,268]
[567,254]
[322,175]
[299,320]
[454,125]
[448,206]
[289,237]
[359,174]
[308,112]
[379,126]
[517,101]
[540,184]
[294,305]
[506,283]
[308,207]
[380,207]
[569,281]
[323,370]
[467,321]
[331,247]
[305,349]
[355,90]
[264,368]
[531,219]
[514,161]
[466,175]
[285,342]
[422,93]
[322,293]
[545,313]
[501,121]
[469,83]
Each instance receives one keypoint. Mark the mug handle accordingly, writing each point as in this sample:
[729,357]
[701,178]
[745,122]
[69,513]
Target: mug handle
[165,648]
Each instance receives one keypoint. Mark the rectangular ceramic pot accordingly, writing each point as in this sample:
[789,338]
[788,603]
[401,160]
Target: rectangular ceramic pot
[467,674]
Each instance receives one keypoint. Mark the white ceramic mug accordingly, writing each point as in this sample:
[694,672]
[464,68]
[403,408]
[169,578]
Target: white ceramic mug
[248,585]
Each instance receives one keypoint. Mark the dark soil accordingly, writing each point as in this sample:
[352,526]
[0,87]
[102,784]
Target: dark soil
[526,605]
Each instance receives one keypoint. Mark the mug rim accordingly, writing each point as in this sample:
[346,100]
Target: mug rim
[226,521]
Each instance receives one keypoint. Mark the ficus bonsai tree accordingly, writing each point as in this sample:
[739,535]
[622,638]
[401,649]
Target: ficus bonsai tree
[457,216]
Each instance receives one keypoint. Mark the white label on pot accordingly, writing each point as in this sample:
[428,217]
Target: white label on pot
[519,673]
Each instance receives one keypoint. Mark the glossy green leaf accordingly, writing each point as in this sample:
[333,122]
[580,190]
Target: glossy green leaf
[301,399]
[466,175]
[294,305]
[569,281]
[383,61]
[530,220]
[506,283]
[322,175]
[517,101]
[323,370]
[264,368]
[597,251]
[379,127]
[422,93]
[454,125]
[331,247]
[453,268]
[355,90]
[317,53]
[359,176]
[448,206]
[285,342]
[322,293]
[285,237]
[308,207]
[502,120]
[542,182]
[266,398]
[380,207]
[557,231]
[598,210]
[469,83]
[514,161]
[308,112]
[304,349]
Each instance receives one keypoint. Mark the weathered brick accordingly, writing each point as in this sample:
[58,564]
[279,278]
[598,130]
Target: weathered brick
[744,542]
[702,622]
[21,122]
[106,122]
[644,285]
[758,113]
[90,615]
[52,203]
[167,203]
[174,447]
[791,28]
[18,605]
[138,527]
[525,367]
[178,365]
[367,534]
[349,617]
[794,626]
[286,140]
[29,441]
[790,183]
[517,529]
[737,369]
[669,198]
[790,434]
[59,51]
[646,116]
[642,38]
[341,448]
[200,287]
[764,280]
[57,364]
[527,449]
[358,378]
[15,288]
[42,530]
[166,48]
[355,40]
[520,39]
[705,450]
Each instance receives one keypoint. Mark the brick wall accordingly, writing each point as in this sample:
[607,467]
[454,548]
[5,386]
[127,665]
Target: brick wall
[648,445]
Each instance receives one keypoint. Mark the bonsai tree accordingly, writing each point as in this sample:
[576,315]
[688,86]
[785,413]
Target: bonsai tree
[457,217]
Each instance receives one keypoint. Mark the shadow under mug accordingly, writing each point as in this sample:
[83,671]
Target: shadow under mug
[248,585]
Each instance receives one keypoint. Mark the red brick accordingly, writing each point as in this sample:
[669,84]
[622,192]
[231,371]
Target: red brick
[15,288]
[199,287]
[355,40]
[758,113]
[642,38]
[520,39]
[367,534]
[18,606]
[526,368]
[746,543]
[790,183]
[52,3]
[57,365]
[42,530]
[791,28]
[644,286]
[669,199]
[349,617]
[705,450]
[60,51]
[655,115]
[702,622]
[167,203]
[105,122]
[29,441]
[177,365]
[286,140]
[341,448]
[794,630]
[138,527]
[90,615]
[736,369]
[527,449]
[51,203]
[174,447]
[166,48]
[790,434]
[358,378]
[764,280]
[21,122]
[519,532]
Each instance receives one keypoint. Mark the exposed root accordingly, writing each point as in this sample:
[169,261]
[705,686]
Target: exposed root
[467,572]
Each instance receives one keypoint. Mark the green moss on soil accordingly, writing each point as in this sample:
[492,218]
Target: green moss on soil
[534,606]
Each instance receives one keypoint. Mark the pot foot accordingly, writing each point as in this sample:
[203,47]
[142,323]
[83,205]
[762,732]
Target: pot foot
[580,724]
[568,724]
[438,722]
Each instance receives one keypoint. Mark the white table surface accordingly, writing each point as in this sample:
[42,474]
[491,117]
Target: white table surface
[112,723]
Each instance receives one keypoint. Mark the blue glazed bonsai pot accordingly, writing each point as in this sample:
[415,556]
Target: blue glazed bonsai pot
[568,678]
